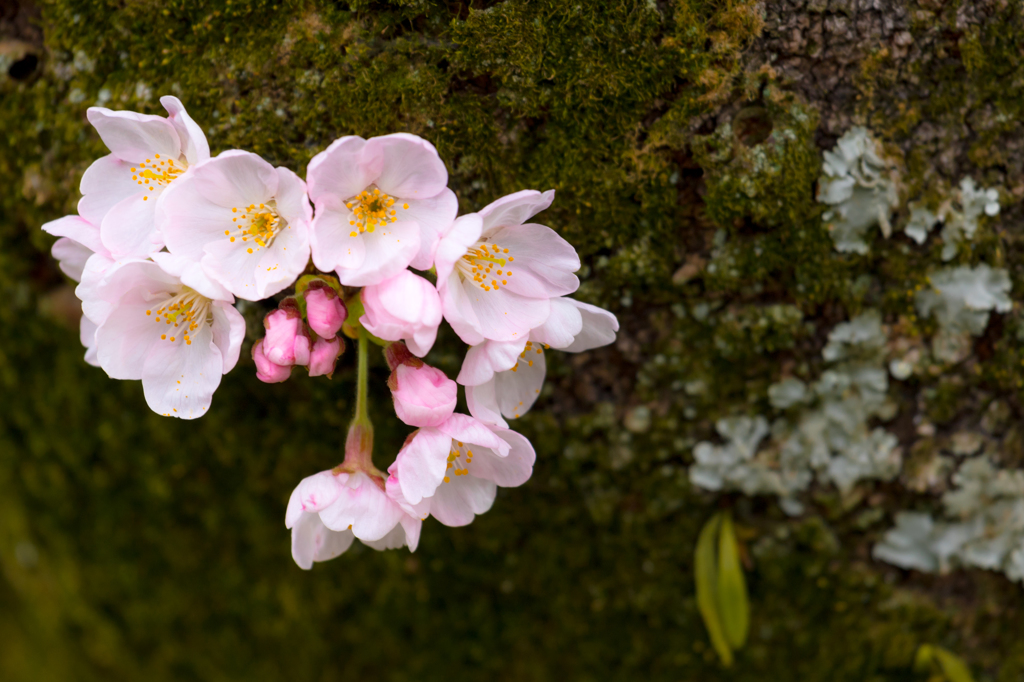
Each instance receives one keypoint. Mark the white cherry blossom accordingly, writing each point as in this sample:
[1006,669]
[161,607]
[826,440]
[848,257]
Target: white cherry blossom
[148,153]
[244,221]
[381,206]
[496,273]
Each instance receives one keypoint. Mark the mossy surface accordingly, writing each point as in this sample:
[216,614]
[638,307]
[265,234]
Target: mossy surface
[138,547]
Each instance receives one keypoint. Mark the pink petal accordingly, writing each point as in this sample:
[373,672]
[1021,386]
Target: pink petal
[483,360]
[482,402]
[388,251]
[411,168]
[236,179]
[107,182]
[283,261]
[515,209]
[421,464]
[435,217]
[77,229]
[598,329]
[71,257]
[313,541]
[518,390]
[193,142]
[266,371]
[462,427]
[129,228]
[459,500]
[135,137]
[314,494]
[342,170]
[454,244]
[508,472]
[503,315]
[544,262]
[228,333]
[188,220]
[332,246]
[364,507]
[179,379]
[458,310]
[292,202]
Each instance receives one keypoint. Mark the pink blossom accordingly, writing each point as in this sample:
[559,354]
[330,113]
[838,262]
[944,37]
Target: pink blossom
[324,355]
[267,371]
[287,342]
[505,379]
[381,205]
[324,310]
[121,191]
[164,324]
[405,307]
[328,510]
[244,221]
[496,273]
[423,395]
[452,471]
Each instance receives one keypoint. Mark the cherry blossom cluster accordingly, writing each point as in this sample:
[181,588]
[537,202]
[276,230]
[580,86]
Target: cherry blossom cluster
[167,238]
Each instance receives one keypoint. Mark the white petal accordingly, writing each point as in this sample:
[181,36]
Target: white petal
[515,209]
[107,182]
[503,315]
[77,229]
[562,326]
[292,202]
[421,464]
[464,428]
[458,310]
[179,379]
[599,327]
[313,541]
[457,502]
[544,262]
[482,402]
[189,221]
[411,167]
[192,275]
[331,243]
[313,494]
[228,333]
[342,170]
[236,179]
[483,360]
[71,257]
[193,141]
[510,471]
[435,217]
[365,507]
[283,261]
[232,265]
[454,244]
[388,251]
[129,228]
[135,137]
[517,390]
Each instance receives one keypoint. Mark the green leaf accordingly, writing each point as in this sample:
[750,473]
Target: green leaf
[923,658]
[953,667]
[706,579]
[733,604]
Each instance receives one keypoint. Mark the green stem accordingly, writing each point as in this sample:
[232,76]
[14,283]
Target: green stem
[359,442]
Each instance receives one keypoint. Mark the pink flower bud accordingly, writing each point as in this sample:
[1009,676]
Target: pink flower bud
[324,310]
[423,395]
[287,342]
[324,355]
[267,371]
[405,307]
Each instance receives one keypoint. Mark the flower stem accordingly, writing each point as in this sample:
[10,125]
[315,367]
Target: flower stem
[359,442]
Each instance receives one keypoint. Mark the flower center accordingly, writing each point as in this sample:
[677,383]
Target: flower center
[157,173]
[370,210]
[259,223]
[458,454]
[485,264]
[182,314]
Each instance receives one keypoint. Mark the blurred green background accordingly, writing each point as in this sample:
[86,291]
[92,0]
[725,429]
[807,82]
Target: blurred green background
[137,547]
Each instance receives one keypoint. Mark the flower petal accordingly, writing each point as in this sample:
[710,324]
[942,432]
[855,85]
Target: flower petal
[342,170]
[387,251]
[193,141]
[188,220]
[330,241]
[544,262]
[283,260]
[462,234]
[135,137]
[562,325]
[235,179]
[313,541]
[462,427]
[434,216]
[292,202]
[484,359]
[179,379]
[77,229]
[515,209]
[482,402]
[71,257]
[459,500]
[365,507]
[228,333]
[457,308]
[508,472]
[232,265]
[411,166]
[314,494]
[599,327]
[518,388]
[421,464]
[105,183]
[502,314]
[129,228]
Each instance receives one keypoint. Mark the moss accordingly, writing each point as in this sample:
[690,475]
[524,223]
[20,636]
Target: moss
[135,547]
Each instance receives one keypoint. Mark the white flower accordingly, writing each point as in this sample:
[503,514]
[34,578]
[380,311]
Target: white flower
[167,324]
[381,205]
[496,273]
[452,471]
[328,510]
[244,221]
[504,379]
[148,153]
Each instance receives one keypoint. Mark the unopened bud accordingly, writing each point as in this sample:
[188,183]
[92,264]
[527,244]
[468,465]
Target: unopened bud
[324,355]
[325,311]
[267,371]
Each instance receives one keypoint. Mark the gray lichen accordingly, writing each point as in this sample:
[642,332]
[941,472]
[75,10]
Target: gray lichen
[961,299]
[959,216]
[986,529]
[860,186]
[827,436]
